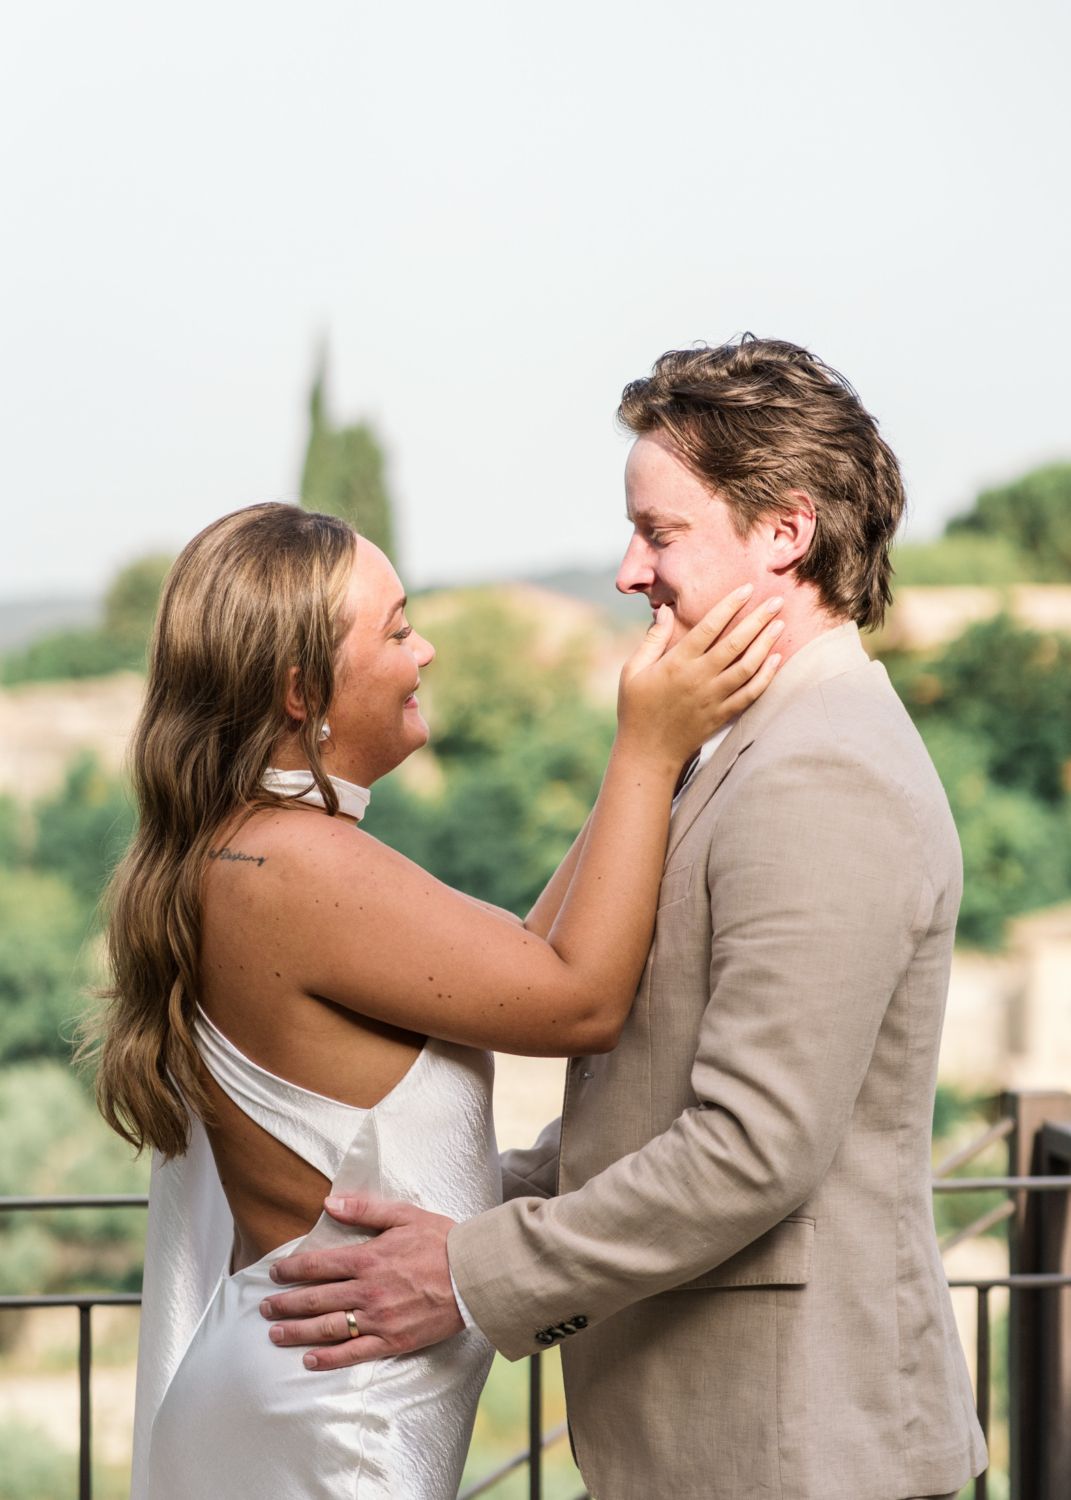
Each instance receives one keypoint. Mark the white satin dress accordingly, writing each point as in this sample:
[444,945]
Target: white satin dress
[229,1414]
[224,1415]
[221,1412]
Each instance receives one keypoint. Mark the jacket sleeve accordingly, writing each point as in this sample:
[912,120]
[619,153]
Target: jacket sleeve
[533,1172]
[820,895]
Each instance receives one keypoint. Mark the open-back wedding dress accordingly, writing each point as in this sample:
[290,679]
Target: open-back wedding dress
[224,1414]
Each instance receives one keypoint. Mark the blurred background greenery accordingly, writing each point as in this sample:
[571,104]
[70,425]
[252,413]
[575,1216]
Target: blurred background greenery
[519,744]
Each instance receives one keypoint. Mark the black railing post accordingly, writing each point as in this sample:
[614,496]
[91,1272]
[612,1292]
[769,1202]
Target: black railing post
[1035,1336]
[982,1380]
[1030,1110]
[85,1363]
[535,1428]
[1055,1235]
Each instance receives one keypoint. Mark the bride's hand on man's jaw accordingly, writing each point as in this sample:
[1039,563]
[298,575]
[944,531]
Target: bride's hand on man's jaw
[672,699]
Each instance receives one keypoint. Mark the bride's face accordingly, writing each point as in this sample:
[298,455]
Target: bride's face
[374,717]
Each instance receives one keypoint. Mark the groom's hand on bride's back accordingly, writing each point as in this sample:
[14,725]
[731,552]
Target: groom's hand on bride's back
[397,1287]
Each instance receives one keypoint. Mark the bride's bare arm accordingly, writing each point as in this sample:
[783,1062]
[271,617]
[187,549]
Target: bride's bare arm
[544,913]
[365,928]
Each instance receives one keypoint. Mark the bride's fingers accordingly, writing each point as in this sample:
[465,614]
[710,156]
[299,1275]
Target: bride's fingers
[700,638]
[742,665]
[720,645]
[735,641]
[328,1328]
[313,1301]
[333,1345]
[654,642]
[753,688]
[353,1352]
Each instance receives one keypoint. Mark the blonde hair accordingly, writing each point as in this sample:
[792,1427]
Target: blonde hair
[254,595]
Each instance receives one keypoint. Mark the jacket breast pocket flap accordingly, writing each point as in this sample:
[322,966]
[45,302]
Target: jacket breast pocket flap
[780,1257]
[675,885]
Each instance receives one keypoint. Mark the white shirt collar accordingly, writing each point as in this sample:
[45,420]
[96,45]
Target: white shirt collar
[706,750]
[352,800]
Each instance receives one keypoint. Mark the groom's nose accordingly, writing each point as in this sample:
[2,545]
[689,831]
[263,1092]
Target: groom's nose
[637,573]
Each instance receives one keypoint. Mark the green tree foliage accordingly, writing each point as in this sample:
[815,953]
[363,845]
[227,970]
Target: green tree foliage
[32,1467]
[522,756]
[1018,533]
[42,971]
[54,863]
[131,602]
[344,474]
[15,832]
[118,644]
[995,711]
[1033,514]
[1008,688]
[55,1143]
[965,558]
[82,833]
[1016,848]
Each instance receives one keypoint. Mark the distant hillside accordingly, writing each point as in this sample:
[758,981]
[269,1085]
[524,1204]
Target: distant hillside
[24,620]
[596,586]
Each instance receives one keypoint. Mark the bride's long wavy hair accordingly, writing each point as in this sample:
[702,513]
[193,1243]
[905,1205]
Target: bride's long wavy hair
[253,596]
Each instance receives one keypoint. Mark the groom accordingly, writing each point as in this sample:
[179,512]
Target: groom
[729,1231]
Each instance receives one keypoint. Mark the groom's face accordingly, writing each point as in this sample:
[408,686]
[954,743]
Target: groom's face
[685,550]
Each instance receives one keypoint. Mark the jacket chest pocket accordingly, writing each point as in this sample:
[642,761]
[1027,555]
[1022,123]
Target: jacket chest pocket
[676,884]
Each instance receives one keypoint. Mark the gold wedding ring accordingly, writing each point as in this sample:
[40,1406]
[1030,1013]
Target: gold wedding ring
[351,1322]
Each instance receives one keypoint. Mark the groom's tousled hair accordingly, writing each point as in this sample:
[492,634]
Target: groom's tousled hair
[757,418]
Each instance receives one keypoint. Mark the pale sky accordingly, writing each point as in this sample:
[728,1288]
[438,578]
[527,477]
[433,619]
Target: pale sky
[499,213]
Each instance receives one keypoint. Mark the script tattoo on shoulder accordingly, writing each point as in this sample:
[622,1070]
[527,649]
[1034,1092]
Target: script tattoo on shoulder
[237,856]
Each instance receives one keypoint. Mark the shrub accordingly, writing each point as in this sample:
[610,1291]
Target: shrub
[42,967]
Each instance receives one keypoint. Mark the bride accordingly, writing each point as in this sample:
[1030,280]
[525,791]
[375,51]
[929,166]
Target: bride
[298,1010]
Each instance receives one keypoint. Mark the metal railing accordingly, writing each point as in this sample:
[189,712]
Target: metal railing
[85,1302]
[1033,1142]
[1039,1471]
[538,1440]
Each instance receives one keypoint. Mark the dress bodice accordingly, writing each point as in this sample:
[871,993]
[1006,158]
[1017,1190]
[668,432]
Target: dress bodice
[430,1142]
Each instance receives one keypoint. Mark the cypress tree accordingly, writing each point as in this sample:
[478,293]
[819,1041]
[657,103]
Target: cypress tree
[344,473]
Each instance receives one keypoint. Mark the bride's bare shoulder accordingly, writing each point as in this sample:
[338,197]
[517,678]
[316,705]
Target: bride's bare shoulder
[291,845]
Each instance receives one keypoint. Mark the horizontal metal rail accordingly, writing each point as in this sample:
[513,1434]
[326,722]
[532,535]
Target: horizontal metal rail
[1024,1281]
[1002,1184]
[995,1133]
[74,1299]
[979,1226]
[94,1200]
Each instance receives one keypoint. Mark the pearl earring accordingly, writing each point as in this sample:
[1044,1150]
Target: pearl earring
[325,732]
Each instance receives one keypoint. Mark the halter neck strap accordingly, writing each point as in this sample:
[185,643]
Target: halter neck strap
[352,800]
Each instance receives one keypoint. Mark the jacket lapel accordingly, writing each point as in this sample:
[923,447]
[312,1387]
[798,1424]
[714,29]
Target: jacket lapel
[828,655]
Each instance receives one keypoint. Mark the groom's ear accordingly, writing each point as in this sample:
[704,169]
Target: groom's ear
[790,531]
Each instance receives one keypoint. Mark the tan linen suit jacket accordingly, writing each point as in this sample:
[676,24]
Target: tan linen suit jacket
[740,1226]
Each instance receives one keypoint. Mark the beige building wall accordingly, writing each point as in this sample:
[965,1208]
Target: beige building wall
[923,618]
[1008,1022]
[44,725]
